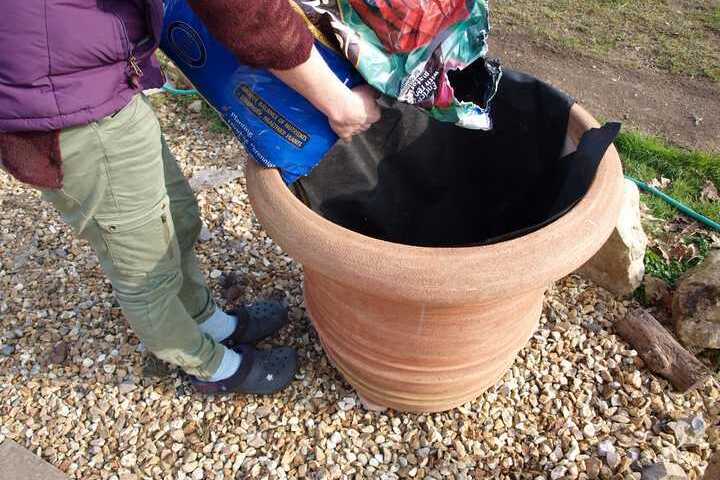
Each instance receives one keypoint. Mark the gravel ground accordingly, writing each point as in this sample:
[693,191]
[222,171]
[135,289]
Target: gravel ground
[77,388]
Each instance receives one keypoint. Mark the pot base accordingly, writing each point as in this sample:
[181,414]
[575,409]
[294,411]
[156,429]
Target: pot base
[418,357]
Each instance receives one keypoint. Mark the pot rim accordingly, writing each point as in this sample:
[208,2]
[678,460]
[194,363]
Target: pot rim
[444,274]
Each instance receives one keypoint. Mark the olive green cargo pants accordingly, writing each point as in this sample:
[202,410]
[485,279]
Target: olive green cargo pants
[124,192]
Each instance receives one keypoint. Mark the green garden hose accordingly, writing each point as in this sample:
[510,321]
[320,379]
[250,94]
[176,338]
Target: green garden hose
[177,91]
[683,208]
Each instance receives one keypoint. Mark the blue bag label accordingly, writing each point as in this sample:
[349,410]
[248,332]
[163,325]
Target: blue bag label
[277,126]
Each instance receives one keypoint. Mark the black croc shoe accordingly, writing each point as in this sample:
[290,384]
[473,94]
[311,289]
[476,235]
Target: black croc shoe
[256,322]
[261,372]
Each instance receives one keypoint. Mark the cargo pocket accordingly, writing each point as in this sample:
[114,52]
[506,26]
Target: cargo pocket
[144,243]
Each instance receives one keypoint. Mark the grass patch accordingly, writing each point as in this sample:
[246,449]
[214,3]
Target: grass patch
[680,37]
[712,20]
[207,113]
[647,158]
[217,124]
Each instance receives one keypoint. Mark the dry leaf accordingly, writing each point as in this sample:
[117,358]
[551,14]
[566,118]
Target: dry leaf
[715,240]
[682,251]
[679,224]
[709,192]
[660,183]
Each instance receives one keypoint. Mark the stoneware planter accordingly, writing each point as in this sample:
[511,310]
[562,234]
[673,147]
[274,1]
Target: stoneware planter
[428,329]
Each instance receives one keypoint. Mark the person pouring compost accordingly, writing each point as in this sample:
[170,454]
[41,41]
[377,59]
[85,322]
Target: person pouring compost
[75,124]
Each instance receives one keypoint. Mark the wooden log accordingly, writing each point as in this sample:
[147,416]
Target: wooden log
[660,351]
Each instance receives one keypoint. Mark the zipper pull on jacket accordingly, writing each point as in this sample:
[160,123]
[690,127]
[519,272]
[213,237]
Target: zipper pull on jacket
[135,72]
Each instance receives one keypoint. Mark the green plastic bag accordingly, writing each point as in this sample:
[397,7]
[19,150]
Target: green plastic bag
[417,51]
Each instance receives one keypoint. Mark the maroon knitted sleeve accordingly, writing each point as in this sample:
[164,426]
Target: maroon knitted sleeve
[33,157]
[261,33]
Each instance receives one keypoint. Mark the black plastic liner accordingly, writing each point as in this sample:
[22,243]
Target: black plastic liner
[417,181]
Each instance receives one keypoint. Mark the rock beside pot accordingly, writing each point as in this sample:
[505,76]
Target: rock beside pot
[619,266]
[696,305]
[657,291]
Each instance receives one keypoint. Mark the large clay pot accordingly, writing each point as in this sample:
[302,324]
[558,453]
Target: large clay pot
[427,329]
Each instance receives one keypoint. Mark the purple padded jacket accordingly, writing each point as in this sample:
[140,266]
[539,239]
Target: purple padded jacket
[69,62]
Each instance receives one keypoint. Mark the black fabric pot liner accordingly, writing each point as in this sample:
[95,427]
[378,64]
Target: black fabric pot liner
[417,181]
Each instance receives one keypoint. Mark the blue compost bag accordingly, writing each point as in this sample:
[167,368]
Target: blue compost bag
[278,126]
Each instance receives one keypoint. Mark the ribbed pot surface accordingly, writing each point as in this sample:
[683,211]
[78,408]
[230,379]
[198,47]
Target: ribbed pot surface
[418,357]
[427,329]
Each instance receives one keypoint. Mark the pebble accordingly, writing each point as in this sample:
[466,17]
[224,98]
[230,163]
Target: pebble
[59,353]
[605,447]
[593,466]
[263,411]
[612,459]
[558,472]
[205,234]
[126,387]
[7,350]
[635,379]
[697,425]
[128,460]
[348,403]
[195,106]
[423,452]
[334,440]
[63,410]
[257,441]
[573,453]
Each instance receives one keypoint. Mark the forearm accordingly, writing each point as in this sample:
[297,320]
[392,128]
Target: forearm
[269,34]
[315,81]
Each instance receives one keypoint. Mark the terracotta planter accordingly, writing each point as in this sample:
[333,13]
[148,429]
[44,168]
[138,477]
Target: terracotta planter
[428,329]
